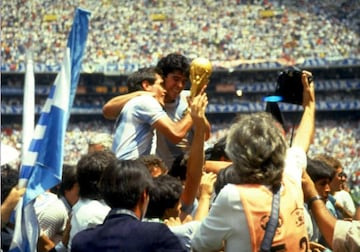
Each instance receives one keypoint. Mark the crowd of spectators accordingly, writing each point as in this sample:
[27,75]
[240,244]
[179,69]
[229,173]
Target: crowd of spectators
[140,32]
[342,140]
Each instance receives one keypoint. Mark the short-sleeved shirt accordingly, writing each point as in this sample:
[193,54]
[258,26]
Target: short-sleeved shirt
[134,132]
[52,215]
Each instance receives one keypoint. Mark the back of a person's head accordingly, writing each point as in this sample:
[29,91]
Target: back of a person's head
[179,167]
[124,182]
[135,80]
[174,62]
[69,178]
[89,171]
[164,195]
[318,169]
[9,179]
[331,161]
[217,152]
[224,177]
[257,149]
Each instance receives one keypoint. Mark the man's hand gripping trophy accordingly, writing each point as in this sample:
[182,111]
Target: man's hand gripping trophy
[200,71]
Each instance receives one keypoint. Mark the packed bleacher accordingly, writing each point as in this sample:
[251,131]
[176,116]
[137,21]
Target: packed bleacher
[128,34]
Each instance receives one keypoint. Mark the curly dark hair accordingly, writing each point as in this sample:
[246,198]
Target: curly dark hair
[152,161]
[174,62]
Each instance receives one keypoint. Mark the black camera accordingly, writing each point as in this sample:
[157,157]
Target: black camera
[289,88]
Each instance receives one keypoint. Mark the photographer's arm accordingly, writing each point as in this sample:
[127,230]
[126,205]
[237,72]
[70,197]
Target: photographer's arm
[306,130]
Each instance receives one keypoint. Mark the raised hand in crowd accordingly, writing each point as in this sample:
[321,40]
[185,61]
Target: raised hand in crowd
[10,203]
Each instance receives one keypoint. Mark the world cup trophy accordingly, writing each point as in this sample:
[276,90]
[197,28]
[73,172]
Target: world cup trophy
[200,71]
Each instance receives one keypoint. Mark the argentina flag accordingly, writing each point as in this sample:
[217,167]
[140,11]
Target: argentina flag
[41,167]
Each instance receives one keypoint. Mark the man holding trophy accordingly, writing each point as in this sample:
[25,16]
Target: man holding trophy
[177,99]
[176,70]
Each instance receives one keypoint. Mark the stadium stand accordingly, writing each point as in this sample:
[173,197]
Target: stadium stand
[232,34]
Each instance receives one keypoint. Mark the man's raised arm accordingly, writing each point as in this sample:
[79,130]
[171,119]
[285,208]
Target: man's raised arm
[306,130]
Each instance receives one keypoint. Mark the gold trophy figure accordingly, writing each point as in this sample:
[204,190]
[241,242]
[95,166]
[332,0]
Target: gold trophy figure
[200,71]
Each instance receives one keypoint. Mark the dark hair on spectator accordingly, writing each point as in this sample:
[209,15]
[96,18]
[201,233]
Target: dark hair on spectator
[217,152]
[331,161]
[318,169]
[165,194]
[9,179]
[123,183]
[179,167]
[89,171]
[152,161]
[174,62]
[68,178]
[224,177]
[134,81]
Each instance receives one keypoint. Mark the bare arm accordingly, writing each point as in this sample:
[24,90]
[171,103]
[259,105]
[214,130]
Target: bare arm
[206,190]
[306,130]
[207,129]
[207,123]
[197,156]
[346,213]
[357,213]
[174,131]
[215,166]
[113,107]
[10,203]
[324,219]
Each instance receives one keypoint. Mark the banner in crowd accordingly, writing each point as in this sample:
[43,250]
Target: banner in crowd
[43,161]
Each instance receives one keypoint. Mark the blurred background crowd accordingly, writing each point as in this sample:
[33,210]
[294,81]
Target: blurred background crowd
[342,141]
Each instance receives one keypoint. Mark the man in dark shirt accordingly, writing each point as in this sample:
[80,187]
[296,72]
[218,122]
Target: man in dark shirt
[125,186]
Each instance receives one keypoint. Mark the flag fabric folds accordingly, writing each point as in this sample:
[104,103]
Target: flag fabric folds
[41,168]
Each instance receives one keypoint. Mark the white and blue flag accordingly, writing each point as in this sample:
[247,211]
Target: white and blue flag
[41,168]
